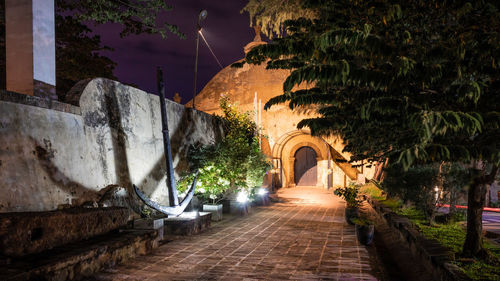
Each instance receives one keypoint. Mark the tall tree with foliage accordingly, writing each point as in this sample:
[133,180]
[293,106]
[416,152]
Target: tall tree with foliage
[136,16]
[78,50]
[77,55]
[412,81]
[270,15]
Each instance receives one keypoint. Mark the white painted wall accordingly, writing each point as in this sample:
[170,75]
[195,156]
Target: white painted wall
[49,158]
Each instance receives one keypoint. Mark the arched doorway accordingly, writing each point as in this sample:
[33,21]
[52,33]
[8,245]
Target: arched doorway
[305,167]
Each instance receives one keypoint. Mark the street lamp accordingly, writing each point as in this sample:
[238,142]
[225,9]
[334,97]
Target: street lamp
[201,16]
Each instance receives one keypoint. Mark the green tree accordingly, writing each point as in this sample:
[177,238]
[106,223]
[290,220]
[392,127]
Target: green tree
[456,177]
[136,16]
[412,81]
[415,186]
[235,163]
[77,55]
[78,50]
[270,15]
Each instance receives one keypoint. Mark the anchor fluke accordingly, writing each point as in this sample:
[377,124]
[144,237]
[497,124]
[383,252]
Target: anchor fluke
[170,211]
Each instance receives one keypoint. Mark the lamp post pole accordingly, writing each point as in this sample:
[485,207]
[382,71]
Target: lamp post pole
[201,16]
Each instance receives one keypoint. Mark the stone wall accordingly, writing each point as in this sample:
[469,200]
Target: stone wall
[54,155]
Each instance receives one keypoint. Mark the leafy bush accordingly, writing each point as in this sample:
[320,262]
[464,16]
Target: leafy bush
[236,163]
[363,221]
[416,185]
[455,178]
[349,194]
[391,203]
[371,190]
[412,213]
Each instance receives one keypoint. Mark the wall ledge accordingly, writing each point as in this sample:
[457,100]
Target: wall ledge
[13,97]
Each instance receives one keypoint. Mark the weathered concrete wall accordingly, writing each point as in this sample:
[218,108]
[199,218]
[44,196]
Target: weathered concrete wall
[49,157]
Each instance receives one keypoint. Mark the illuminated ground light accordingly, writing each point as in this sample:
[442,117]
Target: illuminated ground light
[262,191]
[242,197]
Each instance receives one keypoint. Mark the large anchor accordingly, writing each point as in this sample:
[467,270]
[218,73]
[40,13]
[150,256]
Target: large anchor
[175,208]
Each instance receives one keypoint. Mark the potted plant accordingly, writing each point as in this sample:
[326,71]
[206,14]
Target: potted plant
[349,194]
[232,165]
[211,189]
[364,230]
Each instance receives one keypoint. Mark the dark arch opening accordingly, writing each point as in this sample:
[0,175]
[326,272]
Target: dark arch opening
[305,167]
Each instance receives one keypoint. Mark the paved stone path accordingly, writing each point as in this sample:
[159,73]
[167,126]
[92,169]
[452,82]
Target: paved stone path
[303,238]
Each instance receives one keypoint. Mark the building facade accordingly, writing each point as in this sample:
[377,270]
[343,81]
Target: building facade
[298,157]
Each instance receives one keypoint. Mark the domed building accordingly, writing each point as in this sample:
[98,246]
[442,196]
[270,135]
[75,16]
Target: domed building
[298,158]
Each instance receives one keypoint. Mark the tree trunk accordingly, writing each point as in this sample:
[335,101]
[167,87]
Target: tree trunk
[475,201]
[453,201]
[473,245]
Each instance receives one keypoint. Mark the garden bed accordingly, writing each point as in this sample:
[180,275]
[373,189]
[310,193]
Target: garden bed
[438,246]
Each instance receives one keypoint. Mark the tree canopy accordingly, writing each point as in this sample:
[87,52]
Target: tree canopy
[393,85]
[412,81]
[137,16]
[77,55]
[270,15]
[78,51]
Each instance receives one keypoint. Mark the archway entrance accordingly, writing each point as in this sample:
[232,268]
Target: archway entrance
[305,167]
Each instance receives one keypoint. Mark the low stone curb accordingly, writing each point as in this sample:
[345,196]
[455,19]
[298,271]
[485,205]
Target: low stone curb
[78,260]
[24,233]
[436,258]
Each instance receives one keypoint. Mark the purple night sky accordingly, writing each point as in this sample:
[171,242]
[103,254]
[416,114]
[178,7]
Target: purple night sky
[225,28]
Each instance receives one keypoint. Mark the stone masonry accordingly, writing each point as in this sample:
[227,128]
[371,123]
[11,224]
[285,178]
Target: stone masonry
[303,238]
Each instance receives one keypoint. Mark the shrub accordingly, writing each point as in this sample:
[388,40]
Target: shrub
[371,190]
[234,164]
[349,194]
[416,185]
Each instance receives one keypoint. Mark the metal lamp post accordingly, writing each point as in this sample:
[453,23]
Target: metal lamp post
[201,16]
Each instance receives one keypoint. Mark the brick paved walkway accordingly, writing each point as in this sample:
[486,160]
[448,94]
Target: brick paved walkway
[303,238]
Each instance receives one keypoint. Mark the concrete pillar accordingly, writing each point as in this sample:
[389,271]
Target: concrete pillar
[30,47]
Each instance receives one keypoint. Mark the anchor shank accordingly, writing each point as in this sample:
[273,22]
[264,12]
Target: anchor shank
[172,189]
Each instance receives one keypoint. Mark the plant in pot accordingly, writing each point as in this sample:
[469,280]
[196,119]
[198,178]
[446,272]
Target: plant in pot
[365,229]
[231,164]
[211,189]
[349,194]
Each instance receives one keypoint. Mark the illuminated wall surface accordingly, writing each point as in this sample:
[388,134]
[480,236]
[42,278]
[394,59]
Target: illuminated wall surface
[44,51]
[50,157]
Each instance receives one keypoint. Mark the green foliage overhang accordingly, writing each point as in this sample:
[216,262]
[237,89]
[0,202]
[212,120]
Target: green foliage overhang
[409,80]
